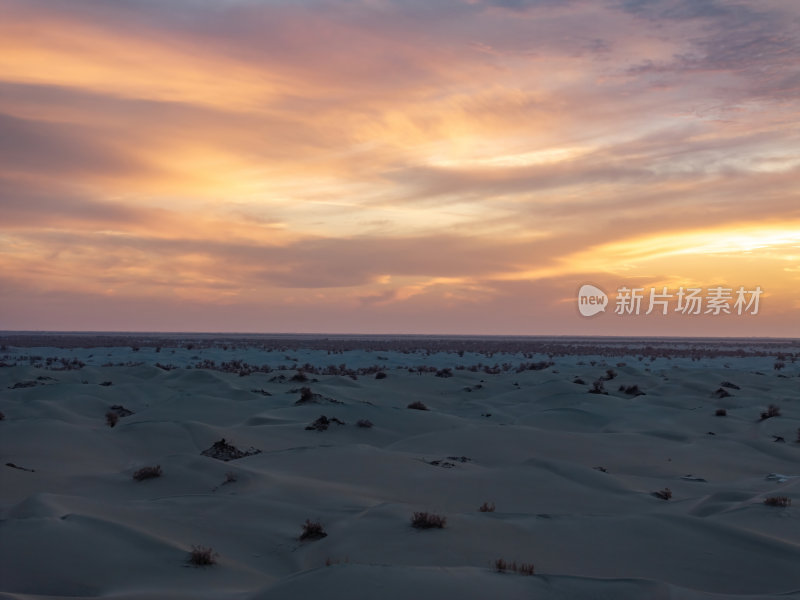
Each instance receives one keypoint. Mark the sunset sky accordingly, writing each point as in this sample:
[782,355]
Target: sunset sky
[396,166]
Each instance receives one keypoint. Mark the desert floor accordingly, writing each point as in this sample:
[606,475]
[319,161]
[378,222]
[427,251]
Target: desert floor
[571,474]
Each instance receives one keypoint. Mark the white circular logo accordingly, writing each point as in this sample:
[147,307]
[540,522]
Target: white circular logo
[591,300]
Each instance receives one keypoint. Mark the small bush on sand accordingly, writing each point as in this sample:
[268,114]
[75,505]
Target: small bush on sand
[115,413]
[312,530]
[486,507]
[772,411]
[202,557]
[610,374]
[501,566]
[721,412]
[299,377]
[2,416]
[782,501]
[598,387]
[365,423]
[631,390]
[306,396]
[380,375]
[425,520]
[417,405]
[664,494]
[222,450]
[320,424]
[147,473]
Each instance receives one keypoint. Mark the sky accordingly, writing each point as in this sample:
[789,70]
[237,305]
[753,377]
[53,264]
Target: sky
[398,166]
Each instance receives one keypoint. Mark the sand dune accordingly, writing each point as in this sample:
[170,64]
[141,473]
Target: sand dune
[571,475]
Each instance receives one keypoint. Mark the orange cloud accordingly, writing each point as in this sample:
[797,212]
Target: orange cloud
[396,158]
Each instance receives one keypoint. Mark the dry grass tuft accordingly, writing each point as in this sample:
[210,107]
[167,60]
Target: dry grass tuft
[486,507]
[772,411]
[782,501]
[501,566]
[664,494]
[148,473]
[202,557]
[312,530]
[417,405]
[425,520]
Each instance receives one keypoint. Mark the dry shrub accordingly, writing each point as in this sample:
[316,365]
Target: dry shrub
[312,530]
[147,473]
[202,557]
[486,507]
[222,450]
[598,387]
[782,501]
[631,390]
[425,520]
[772,411]
[115,413]
[306,396]
[417,405]
[721,412]
[365,423]
[501,566]
[664,494]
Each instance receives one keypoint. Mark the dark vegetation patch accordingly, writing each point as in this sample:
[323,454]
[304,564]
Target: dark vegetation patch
[426,520]
[664,494]
[201,556]
[781,501]
[772,411]
[222,450]
[312,530]
[148,473]
[501,566]
[322,423]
